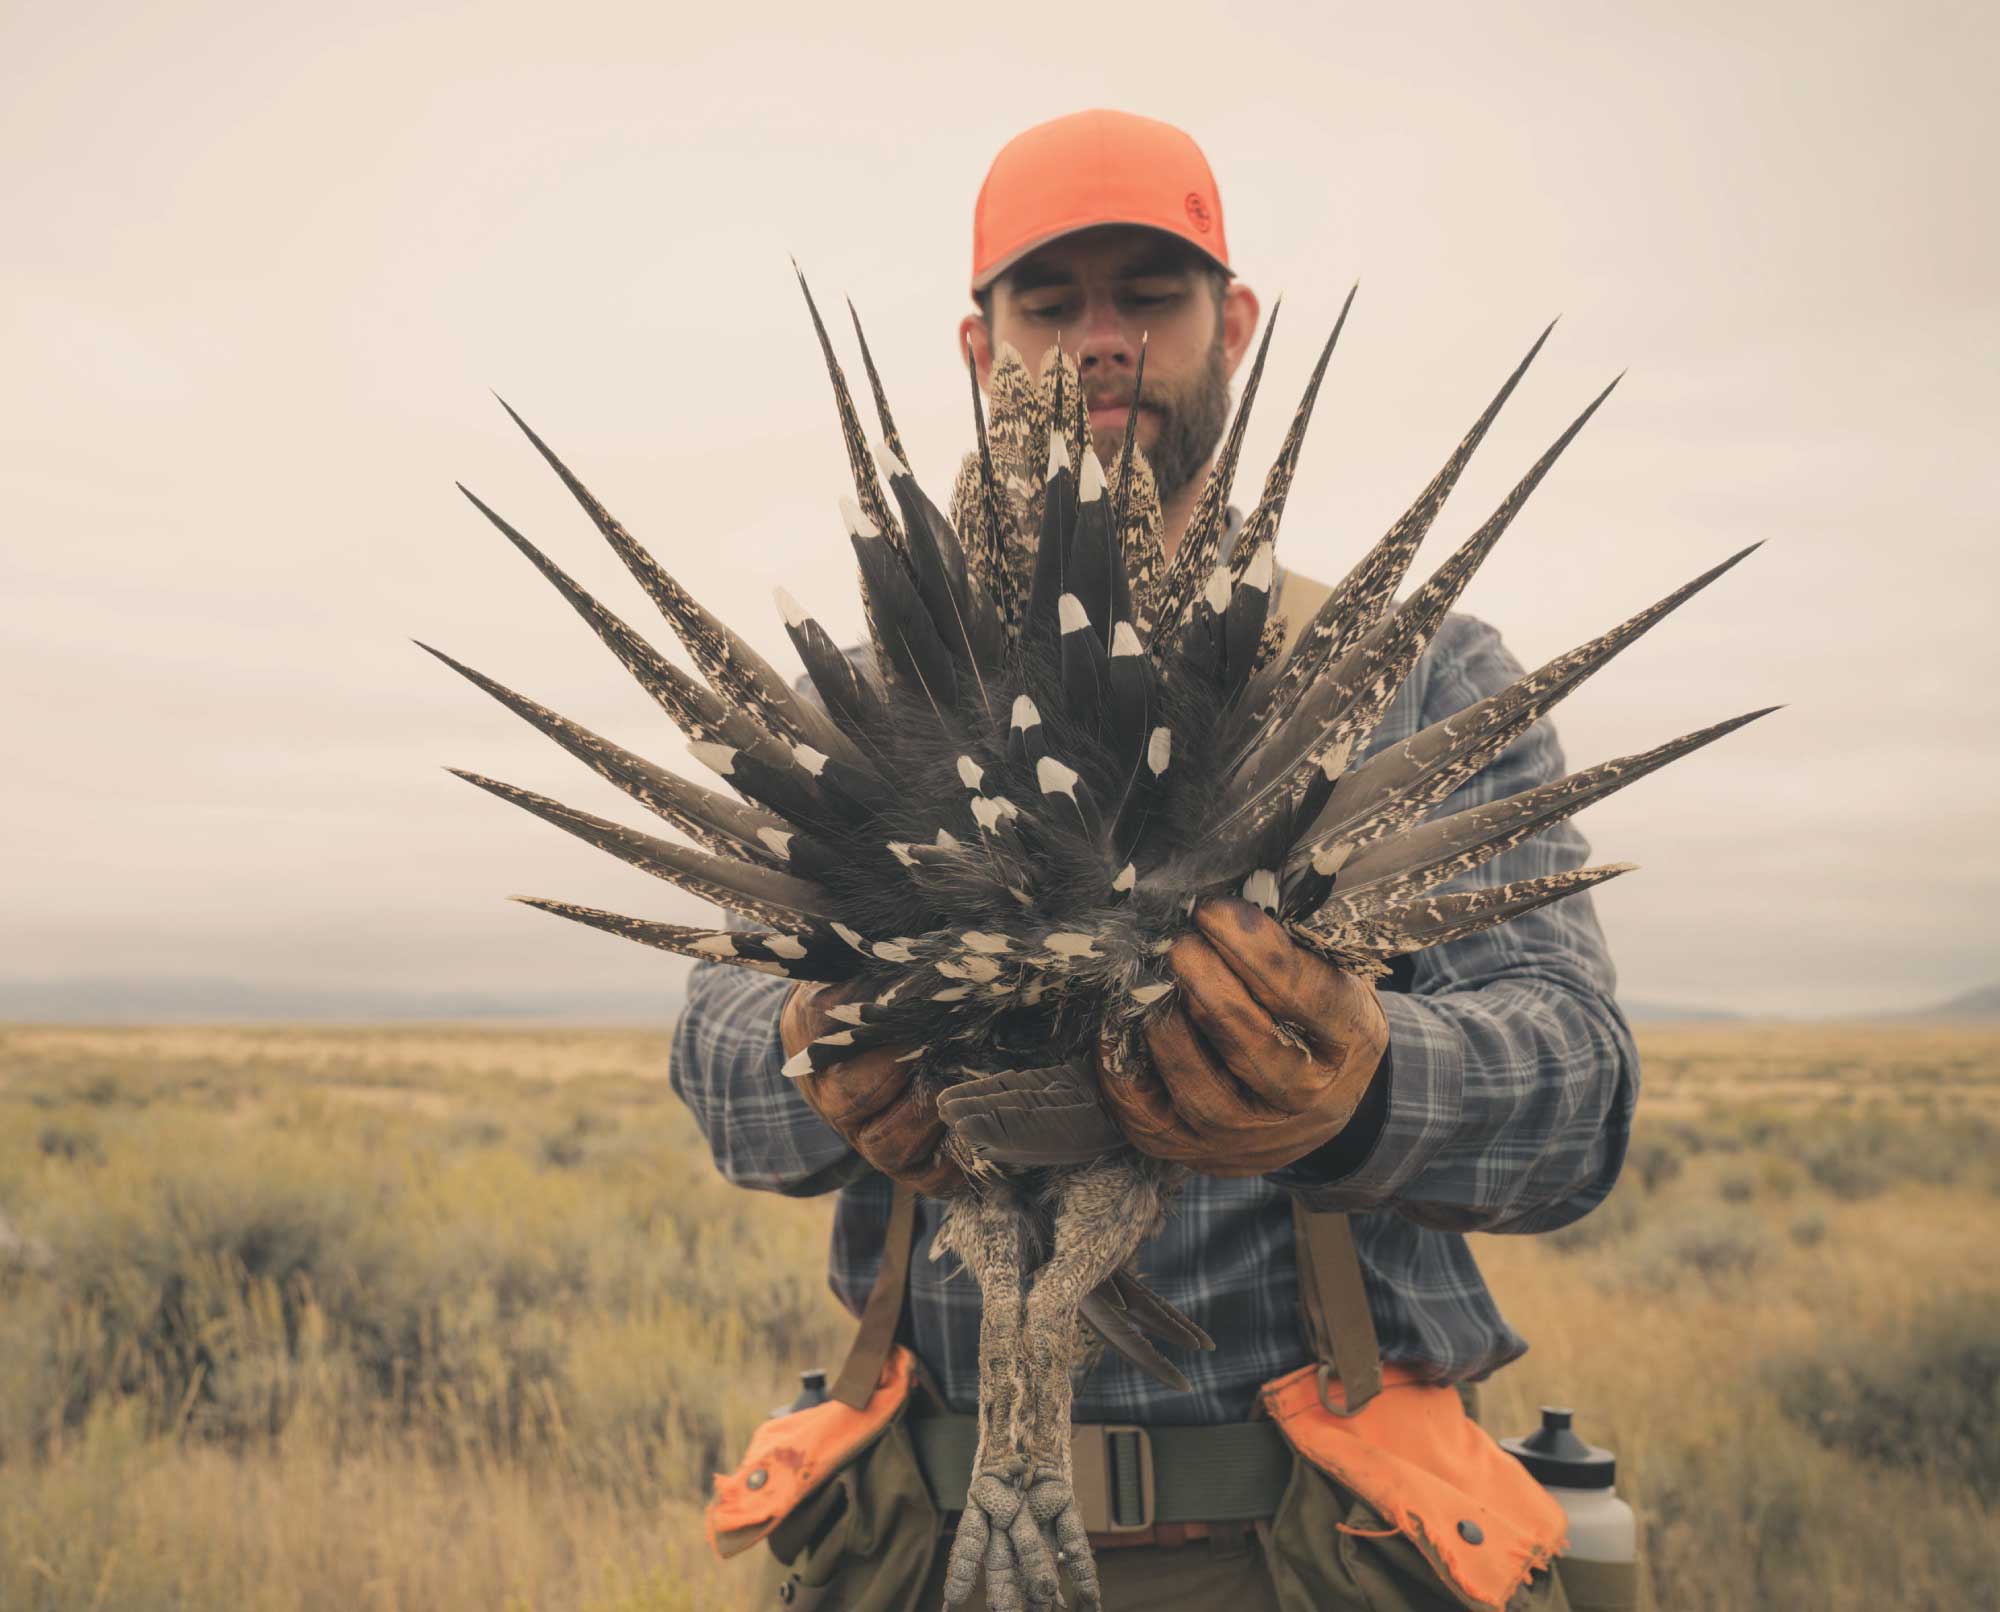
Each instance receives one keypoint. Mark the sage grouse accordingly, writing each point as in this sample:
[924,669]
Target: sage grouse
[990,834]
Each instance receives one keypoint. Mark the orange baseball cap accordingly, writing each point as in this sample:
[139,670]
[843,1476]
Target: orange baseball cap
[1087,169]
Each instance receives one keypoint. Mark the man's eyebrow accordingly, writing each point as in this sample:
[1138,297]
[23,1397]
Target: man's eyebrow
[1040,276]
[1150,263]
[1161,260]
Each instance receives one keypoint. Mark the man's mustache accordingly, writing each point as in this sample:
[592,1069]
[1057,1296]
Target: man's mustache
[1121,398]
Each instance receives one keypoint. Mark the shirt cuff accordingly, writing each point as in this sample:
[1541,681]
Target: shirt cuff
[1411,1110]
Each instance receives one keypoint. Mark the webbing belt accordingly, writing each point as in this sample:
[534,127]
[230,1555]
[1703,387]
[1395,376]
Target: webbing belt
[1230,1472]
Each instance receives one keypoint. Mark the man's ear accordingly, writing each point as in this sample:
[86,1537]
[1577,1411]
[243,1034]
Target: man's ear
[974,337]
[1240,309]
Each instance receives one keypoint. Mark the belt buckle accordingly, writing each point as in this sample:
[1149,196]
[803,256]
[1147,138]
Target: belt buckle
[1112,1475]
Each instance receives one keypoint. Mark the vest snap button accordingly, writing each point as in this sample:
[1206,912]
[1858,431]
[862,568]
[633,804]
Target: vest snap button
[1471,1532]
[757,1479]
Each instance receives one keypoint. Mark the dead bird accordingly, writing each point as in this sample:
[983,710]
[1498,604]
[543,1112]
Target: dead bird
[990,832]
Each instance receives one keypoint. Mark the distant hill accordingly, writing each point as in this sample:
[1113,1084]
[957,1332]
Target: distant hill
[1983,1003]
[207,1001]
[1673,1012]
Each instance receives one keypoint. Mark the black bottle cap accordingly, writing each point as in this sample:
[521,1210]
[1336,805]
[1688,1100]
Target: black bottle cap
[1557,1457]
[812,1391]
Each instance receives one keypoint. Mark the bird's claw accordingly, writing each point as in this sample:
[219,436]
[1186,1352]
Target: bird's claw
[1008,1527]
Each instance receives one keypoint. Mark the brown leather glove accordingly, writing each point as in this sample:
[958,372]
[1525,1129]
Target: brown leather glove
[1263,1055]
[871,1100]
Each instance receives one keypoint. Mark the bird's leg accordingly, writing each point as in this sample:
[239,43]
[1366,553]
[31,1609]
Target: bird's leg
[1102,1214]
[985,1229]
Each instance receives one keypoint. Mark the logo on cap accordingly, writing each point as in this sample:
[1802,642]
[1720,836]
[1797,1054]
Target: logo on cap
[1197,211]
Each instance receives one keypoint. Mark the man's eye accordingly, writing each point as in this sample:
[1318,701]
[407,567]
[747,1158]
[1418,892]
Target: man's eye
[1045,310]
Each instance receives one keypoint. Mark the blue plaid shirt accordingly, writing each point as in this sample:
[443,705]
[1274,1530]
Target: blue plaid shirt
[1510,1087]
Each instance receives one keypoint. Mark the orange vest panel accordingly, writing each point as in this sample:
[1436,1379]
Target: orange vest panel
[789,1455]
[1432,1472]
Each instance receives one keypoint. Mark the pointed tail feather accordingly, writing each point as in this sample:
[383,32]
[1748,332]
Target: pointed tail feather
[1202,541]
[756,892]
[1396,871]
[1399,784]
[1262,525]
[717,823]
[1351,696]
[700,713]
[730,664]
[807,956]
[1438,920]
[1357,603]
[889,433]
[860,462]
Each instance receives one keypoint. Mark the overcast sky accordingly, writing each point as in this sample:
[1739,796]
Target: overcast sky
[263,263]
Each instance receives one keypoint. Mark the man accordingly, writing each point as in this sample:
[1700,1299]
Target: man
[1488,1085]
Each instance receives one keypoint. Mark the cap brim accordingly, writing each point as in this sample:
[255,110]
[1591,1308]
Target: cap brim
[984,280]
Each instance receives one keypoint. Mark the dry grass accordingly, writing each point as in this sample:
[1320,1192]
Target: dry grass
[455,1319]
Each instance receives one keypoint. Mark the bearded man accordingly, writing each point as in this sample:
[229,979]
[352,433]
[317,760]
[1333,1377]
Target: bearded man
[1496,1078]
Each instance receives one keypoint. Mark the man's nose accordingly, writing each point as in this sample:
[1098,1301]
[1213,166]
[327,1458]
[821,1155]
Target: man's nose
[1105,341]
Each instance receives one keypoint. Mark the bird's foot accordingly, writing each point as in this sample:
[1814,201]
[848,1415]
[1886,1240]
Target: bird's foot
[1051,1500]
[1007,1508]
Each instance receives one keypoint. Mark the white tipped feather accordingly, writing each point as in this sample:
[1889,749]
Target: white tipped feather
[776,839]
[858,524]
[1159,750]
[1128,876]
[788,946]
[1258,573]
[1216,594]
[1147,995]
[788,607]
[1025,715]
[970,773]
[1261,889]
[895,951]
[1055,778]
[1067,943]
[1070,614]
[889,459]
[1090,484]
[807,757]
[718,758]
[1058,456]
[798,1065]
[715,946]
[1125,640]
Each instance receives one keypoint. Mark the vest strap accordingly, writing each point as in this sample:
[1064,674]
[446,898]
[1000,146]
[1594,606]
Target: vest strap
[884,1309]
[1333,1308]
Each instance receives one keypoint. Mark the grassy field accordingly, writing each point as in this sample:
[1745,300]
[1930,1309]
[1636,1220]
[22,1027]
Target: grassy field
[448,1320]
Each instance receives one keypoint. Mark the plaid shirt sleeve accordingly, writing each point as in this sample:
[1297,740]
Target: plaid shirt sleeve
[728,1068]
[1511,1076]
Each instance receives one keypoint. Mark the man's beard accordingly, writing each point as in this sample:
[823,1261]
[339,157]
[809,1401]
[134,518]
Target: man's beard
[1191,422]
